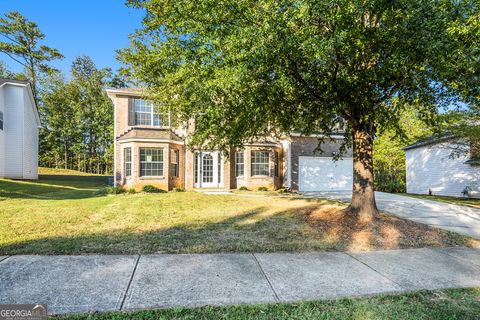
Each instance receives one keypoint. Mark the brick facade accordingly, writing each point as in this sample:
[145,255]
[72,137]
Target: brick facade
[136,137]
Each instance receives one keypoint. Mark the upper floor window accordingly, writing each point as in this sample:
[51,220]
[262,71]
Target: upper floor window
[1,120]
[260,163]
[147,114]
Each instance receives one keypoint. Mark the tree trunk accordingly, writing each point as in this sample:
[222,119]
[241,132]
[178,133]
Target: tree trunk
[363,205]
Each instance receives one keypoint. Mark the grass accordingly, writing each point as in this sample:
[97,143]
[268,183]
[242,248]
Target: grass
[65,214]
[445,304]
[470,202]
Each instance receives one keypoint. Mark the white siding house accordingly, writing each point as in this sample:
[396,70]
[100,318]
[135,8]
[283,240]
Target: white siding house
[19,123]
[431,168]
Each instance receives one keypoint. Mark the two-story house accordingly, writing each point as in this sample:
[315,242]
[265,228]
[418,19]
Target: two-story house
[148,150]
[19,123]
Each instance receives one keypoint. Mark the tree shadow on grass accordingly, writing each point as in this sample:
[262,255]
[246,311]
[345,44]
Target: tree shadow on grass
[52,187]
[250,231]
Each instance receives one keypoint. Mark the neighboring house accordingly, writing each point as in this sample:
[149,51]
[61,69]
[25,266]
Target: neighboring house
[434,166]
[149,151]
[19,123]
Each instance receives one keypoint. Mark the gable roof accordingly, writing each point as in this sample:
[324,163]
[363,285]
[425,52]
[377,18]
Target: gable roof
[428,141]
[27,86]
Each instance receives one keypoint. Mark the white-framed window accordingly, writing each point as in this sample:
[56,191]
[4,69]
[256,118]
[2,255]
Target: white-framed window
[1,120]
[151,162]
[260,163]
[127,160]
[175,156]
[239,163]
[147,114]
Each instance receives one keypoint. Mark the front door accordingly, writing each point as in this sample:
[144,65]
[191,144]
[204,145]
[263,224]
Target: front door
[208,170]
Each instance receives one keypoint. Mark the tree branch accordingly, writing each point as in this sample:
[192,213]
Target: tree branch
[11,57]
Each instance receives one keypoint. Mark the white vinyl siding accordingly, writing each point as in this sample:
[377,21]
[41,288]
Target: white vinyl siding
[14,118]
[19,137]
[432,168]
[30,142]
[2,138]
[324,174]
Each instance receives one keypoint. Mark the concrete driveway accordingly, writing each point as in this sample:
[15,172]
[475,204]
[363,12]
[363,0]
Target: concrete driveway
[461,219]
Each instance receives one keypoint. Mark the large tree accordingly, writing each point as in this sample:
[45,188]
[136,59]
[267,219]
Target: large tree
[20,40]
[246,68]
[77,118]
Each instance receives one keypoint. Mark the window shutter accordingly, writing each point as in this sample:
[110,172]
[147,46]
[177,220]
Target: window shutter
[131,112]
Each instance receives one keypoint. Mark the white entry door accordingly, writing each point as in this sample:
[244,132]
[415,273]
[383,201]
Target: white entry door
[324,174]
[208,170]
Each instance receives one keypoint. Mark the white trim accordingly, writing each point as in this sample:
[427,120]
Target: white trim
[341,158]
[334,136]
[150,140]
[218,179]
[126,93]
[259,144]
[287,163]
[115,142]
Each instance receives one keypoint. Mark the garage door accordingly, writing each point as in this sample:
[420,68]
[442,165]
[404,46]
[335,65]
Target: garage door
[324,174]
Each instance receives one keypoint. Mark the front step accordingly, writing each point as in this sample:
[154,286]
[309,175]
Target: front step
[214,191]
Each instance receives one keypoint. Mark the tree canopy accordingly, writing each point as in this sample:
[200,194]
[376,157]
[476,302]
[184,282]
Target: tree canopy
[246,68]
[77,118]
[20,40]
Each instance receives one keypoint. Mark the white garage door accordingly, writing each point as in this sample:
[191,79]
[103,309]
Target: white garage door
[324,174]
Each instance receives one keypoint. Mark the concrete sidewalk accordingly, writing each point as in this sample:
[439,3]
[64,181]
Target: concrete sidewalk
[73,284]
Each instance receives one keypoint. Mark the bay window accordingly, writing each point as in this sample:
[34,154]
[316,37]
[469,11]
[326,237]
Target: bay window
[260,163]
[239,164]
[151,162]
[127,160]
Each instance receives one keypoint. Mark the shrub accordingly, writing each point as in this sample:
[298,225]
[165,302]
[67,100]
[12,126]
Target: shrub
[262,189]
[132,191]
[151,189]
[243,188]
[178,189]
[282,190]
[114,190]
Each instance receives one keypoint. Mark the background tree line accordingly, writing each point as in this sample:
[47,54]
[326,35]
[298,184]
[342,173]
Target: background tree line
[75,112]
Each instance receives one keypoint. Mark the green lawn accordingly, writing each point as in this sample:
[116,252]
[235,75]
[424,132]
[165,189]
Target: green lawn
[475,203]
[64,213]
[461,304]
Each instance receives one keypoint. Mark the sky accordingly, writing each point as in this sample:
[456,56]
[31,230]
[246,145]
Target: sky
[78,27]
